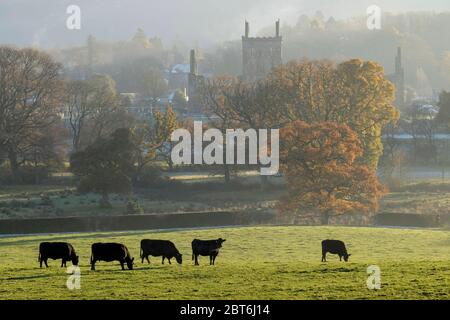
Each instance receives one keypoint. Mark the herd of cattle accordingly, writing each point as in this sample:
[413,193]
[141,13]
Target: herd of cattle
[119,252]
[158,248]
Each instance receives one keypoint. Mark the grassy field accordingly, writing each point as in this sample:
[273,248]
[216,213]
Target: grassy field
[24,201]
[255,263]
[425,197]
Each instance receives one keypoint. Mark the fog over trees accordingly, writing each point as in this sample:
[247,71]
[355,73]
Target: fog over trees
[136,60]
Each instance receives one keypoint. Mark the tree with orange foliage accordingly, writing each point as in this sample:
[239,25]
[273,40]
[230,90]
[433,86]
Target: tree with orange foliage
[323,175]
[354,92]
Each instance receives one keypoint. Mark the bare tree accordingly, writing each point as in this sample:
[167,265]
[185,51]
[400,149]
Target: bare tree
[94,110]
[30,94]
[422,126]
[215,95]
[78,109]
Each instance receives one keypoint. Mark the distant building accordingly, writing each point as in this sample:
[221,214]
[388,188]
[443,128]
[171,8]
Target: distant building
[195,81]
[260,54]
[398,79]
[139,106]
[179,76]
[184,78]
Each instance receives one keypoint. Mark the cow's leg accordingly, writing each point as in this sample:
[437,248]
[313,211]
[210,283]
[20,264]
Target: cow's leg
[169,261]
[214,259]
[146,257]
[324,257]
[40,262]
[62,263]
[93,264]
[45,261]
[122,264]
[143,258]
[163,259]
[340,258]
[196,259]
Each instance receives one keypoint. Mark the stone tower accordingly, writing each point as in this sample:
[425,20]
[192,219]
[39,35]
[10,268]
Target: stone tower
[260,54]
[193,63]
[195,81]
[399,80]
[193,77]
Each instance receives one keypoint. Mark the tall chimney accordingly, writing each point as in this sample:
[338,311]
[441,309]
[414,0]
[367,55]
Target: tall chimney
[398,60]
[277,28]
[247,29]
[193,63]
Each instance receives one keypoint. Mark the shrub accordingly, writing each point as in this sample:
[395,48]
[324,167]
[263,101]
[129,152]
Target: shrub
[6,211]
[15,204]
[45,200]
[394,183]
[133,207]
[148,177]
[33,175]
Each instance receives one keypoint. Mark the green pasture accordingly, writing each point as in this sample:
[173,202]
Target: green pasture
[254,263]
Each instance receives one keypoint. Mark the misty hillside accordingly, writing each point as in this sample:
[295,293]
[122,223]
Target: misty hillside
[425,55]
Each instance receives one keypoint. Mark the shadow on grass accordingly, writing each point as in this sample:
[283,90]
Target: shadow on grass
[31,277]
[74,236]
[341,269]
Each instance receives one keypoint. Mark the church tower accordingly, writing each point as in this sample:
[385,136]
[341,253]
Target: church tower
[260,54]
[399,80]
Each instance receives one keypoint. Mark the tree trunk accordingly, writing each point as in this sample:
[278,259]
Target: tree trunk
[264,182]
[137,173]
[170,163]
[226,171]
[325,218]
[14,165]
[104,202]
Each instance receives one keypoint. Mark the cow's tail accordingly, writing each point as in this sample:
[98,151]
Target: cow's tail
[92,258]
[39,257]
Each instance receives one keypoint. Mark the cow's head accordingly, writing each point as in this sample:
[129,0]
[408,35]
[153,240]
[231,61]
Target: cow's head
[346,256]
[220,241]
[130,263]
[75,260]
[179,258]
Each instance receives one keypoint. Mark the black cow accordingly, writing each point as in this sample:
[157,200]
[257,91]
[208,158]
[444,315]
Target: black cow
[111,252]
[158,248]
[57,250]
[334,247]
[206,248]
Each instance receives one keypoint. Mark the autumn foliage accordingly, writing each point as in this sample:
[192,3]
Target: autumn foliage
[323,175]
[354,92]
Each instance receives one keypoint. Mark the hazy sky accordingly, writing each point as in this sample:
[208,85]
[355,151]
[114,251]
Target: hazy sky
[43,22]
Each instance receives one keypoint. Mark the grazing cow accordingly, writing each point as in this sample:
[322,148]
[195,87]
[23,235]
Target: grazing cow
[111,252]
[158,248]
[206,248]
[57,250]
[334,247]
